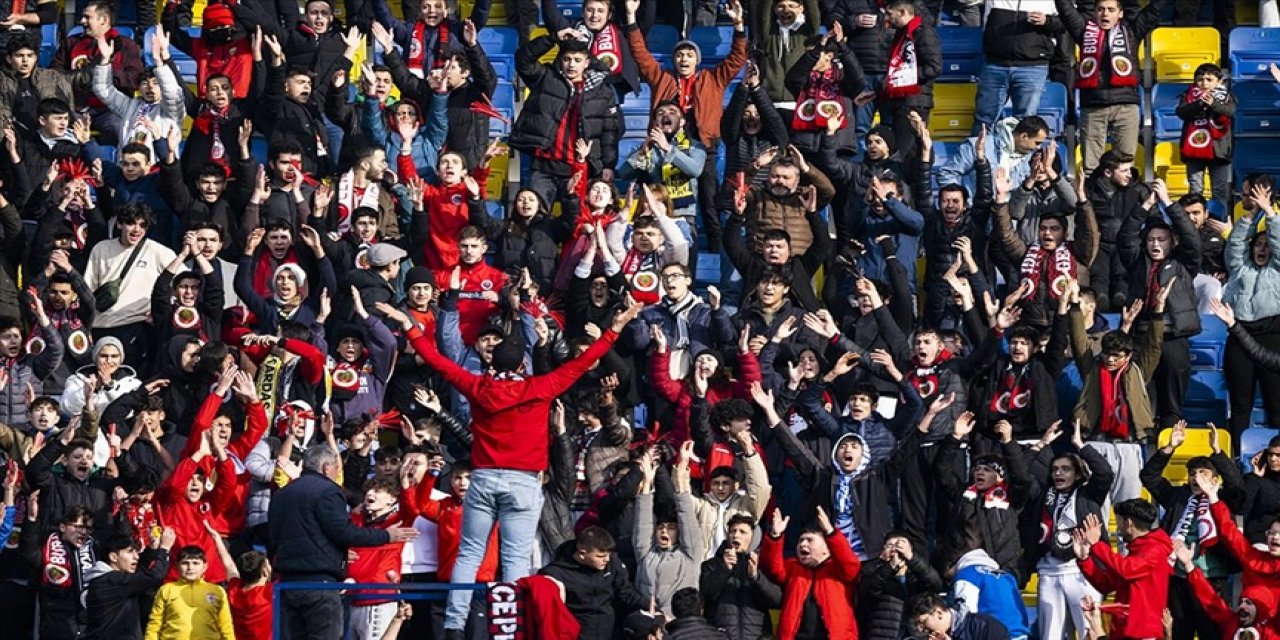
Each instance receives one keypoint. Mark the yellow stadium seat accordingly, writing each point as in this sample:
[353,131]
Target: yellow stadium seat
[1177,51]
[496,186]
[952,115]
[1196,444]
[550,56]
[1168,166]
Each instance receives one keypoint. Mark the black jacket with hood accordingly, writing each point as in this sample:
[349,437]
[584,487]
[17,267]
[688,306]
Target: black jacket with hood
[735,601]
[1087,495]
[883,597]
[598,599]
[114,604]
[996,525]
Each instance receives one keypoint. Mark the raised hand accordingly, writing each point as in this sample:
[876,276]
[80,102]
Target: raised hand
[964,425]
[779,523]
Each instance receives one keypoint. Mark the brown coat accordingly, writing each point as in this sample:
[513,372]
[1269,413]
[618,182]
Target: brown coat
[1088,409]
[766,211]
[709,85]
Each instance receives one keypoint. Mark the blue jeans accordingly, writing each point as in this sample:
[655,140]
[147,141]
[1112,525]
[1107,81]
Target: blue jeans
[511,498]
[1021,85]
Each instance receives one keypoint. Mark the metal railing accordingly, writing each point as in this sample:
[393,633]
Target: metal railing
[425,591]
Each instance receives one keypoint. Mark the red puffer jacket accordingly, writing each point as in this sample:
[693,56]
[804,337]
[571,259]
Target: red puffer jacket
[832,584]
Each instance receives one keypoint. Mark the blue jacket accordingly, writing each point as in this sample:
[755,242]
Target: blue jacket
[1253,291]
[707,329]
[982,588]
[311,530]
[647,167]
[433,130]
[906,226]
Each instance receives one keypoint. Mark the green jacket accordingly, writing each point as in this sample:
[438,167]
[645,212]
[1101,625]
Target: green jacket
[1088,408]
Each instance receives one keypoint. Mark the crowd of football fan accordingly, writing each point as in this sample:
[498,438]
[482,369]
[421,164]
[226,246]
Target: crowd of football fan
[226,372]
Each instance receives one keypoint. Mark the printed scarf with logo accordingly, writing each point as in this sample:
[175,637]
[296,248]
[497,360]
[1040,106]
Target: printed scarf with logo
[819,101]
[1039,268]
[350,197]
[1013,391]
[63,567]
[1196,527]
[903,76]
[925,379]
[1199,134]
[1057,521]
[418,46]
[606,46]
[1113,46]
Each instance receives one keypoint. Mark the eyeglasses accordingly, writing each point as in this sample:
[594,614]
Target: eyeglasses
[668,277]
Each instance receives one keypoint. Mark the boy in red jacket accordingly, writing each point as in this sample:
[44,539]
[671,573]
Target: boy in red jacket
[382,509]
[447,514]
[1260,568]
[510,414]
[211,418]
[823,574]
[1253,616]
[1139,579]
[184,502]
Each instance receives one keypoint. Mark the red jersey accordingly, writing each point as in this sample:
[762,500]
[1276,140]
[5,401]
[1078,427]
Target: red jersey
[250,609]
[229,521]
[447,514]
[187,518]
[473,310]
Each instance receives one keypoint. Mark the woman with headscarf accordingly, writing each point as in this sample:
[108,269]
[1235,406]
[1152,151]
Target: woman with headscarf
[291,297]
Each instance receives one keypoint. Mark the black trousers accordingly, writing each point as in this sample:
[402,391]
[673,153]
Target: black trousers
[1107,277]
[427,622]
[1169,384]
[312,615]
[708,190]
[17,610]
[1244,377]
[1189,619]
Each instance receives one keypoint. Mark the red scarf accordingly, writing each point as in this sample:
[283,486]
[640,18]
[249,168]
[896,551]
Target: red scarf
[819,101]
[85,50]
[925,379]
[1013,392]
[531,607]
[418,46]
[641,271]
[606,47]
[1037,268]
[62,567]
[1118,47]
[1198,135]
[1153,284]
[264,271]
[686,92]
[1115,410]
[997,497]
[903,76]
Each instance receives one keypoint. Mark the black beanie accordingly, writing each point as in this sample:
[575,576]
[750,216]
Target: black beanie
[508,355]
[419,275]
[885,133]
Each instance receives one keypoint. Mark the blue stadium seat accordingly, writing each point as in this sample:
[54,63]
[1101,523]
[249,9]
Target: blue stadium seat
[708,268]
[1205,412]
[1253,49]
[728,93]
[495,209]
[626,146]
[258,147]
[1255,155]
[1206,387]
[1053,107]
[661,39]
[504,68]
[499,40]
[570,9]
[715,42]
[186,65]
[1257,109]
[637,124]
[48,44]
[1212,331]
[1206,356]
[637,103]
[1164,101]
[961,53]
[504,102]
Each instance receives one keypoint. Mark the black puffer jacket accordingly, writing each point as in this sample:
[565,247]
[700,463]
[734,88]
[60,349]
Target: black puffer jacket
[598,599]
[742,149]
[694,628]
[61,491]
[1181,311]
[532,243]
[1090,492]
[871,46]
[882,597]
[1009,39]
[1111,204]
[736,602]
[468,130]
[996,528]
[548,104]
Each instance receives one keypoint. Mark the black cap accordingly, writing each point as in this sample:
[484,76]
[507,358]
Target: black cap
[508,356]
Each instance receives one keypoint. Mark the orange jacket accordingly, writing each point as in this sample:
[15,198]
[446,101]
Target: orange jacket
[709,85]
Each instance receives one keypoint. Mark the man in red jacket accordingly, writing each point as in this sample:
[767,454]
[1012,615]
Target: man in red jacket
[1253,616]
[184,504]
[822,575]
[510,414]
[1139,579]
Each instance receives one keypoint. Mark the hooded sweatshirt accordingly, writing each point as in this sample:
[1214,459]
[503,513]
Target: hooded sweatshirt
[982,587]
[1227,619]
[843,495]
[113,604]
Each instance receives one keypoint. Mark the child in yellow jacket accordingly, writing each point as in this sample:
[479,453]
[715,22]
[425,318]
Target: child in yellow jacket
[190,609]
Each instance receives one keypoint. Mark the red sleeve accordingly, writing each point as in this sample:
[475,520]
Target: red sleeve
[404,166]
[255,426]
[224,491]
[748,371]
[559,381]
[1130,567]
[428,507]
[460,378]
[481,174]
[173,489]
[1099,577]
[312,367]
[256,352]
[660,374]
[771,562]
[847,562]
[201,423]
[1214,607]
[1251,559]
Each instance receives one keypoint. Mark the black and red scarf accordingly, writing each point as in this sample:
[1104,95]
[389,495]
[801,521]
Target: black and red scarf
[1037,268]
[1198,135]
[1117,49]
[606,46]
[925,379]
[903,76]
[1013,391]
[1114,422]
[819,101]
[62,567]
[418,46]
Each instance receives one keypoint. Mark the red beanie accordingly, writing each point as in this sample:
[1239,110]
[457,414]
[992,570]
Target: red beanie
[218,15]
